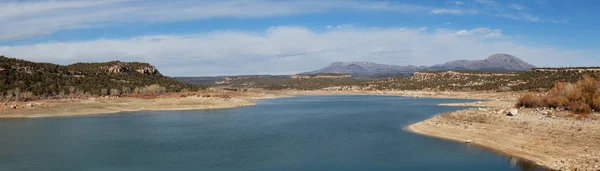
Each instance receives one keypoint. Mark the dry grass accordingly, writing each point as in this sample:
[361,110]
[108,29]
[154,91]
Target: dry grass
[582,97]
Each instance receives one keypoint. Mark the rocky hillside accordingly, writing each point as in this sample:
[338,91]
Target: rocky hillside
[496,62]
[23,80]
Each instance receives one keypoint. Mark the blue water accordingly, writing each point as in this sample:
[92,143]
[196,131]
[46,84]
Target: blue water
[299,133]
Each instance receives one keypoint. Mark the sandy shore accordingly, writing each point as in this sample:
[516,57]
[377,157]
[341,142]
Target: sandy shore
[555,141]
[477,95]
[91,106]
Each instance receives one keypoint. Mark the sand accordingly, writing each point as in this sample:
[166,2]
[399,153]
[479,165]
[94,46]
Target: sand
[92,106]
[557,141]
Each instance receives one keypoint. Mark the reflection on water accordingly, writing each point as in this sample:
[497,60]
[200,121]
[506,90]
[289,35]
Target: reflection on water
[524,164]
[300,133]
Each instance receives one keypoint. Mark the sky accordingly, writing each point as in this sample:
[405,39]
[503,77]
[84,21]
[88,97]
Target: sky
[246,37]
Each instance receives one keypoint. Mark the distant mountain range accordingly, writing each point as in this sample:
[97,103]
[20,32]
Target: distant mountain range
[496,62]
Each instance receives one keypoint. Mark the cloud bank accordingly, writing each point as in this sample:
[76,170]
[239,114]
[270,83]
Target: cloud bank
[288,50]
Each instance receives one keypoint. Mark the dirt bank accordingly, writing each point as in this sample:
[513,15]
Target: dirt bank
[553,139]
[90,106]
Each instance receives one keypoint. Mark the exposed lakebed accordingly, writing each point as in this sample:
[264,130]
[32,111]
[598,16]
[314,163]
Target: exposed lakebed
[298,133]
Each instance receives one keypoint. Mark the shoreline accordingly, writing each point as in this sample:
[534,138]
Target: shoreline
[555,142]
[491,146]
[101,106]
[95,106]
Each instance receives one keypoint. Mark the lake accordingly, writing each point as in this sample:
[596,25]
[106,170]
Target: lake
[298,133]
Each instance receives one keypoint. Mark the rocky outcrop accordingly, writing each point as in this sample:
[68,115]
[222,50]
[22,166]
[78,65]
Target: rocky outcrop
[147,71]
[123,67]
[117,68]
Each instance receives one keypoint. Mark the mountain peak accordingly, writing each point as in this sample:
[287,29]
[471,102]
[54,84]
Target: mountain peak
[502,57]
[500,61]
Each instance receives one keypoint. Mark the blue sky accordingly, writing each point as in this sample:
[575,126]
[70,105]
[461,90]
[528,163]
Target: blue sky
[194,37]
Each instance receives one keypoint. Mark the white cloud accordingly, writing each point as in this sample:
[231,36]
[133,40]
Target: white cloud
[517,7]
[21,19]
[480,32]
[531,18]
[525,17]
[452,11]
[446,11]
[287,50]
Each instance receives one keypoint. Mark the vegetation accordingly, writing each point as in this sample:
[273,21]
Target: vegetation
[581,97]
[25,80]
[435,80]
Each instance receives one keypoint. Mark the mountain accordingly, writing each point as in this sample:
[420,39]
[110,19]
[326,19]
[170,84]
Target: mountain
[26,80]
[366,69]
[496,62]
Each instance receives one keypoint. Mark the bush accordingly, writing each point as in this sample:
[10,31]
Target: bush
[580,108]
[530,100]
[581,97]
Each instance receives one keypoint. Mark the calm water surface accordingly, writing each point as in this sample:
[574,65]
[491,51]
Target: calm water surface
[299,133]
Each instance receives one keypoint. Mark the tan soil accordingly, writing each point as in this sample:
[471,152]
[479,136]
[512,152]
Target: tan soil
[90,106]
[558,141]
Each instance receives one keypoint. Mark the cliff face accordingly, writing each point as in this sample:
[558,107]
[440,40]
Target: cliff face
[116,67]
[123,67]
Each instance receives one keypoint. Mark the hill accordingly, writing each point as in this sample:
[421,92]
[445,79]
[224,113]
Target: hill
[496,62]
[24,80]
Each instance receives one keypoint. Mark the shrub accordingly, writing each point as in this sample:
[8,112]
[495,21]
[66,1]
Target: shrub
[580,107]
[115,92]
[596,103]
[554,101]
[530,100]
[581,97]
